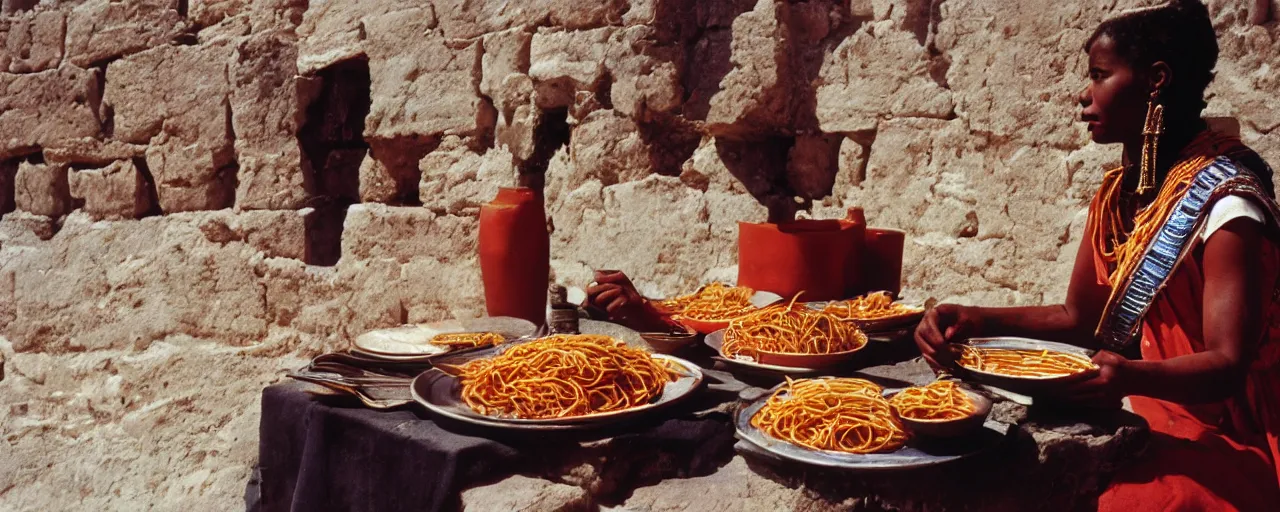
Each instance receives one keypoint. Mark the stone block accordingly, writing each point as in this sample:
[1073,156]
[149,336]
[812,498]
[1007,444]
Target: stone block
[1006,95]
[189,177]
[34,42]
[607,146]
[42,189]
[19,228]
[564,62]
[505,53]
[101,30]
[404,233]
[645,74]
[666,239]
[852,96]
[422,86]
[175,98]
[851,166]
[92,152]
[518,117]
[44,109]
[332,32]
[378,184]
[458,180]
[234,28]
[206,13]
[276,233]
[754,96]
[389,173]
[524,493]
[463,19]
[267,110]
[118,191]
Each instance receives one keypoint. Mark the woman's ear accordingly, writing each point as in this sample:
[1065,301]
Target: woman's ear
[1159,76]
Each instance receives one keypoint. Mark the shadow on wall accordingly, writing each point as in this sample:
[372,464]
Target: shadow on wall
[332,141]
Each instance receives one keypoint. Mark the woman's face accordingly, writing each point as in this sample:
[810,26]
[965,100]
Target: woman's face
[1114,103]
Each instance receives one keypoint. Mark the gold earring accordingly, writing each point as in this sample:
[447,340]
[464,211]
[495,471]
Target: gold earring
[1151,131]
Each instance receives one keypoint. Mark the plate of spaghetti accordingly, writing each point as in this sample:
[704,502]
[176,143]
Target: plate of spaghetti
[712,307]
[842,422]
[940,409]
[791,335]
[559,381]
[417,341]
[872,312]
[1022,365]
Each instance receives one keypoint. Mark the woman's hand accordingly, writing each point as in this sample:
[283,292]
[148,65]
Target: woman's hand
[613,293]
[946,323]
[1107,385]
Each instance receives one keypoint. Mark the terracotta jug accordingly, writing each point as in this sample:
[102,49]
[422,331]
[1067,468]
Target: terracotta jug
[791,257]
[884,260]
[515,255]
[855,224]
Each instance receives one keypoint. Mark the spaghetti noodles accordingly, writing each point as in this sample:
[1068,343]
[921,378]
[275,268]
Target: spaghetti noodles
[714,302]
[791,329]
[940,400]
[467,339]
[873,306]
[1023,363]
[839,414]
[563,376]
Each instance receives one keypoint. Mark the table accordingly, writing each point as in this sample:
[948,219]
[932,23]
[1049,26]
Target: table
[327,453]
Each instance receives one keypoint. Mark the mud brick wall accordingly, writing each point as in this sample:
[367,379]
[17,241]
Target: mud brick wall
[198,194]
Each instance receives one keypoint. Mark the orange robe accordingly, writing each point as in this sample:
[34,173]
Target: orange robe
[1215,456]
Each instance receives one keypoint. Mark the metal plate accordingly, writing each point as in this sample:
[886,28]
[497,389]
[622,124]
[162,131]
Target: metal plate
[715,340]
[1023,385]
[892,323]
[759,299]
[916,454]
[780,361]
[440,393]
[414,341]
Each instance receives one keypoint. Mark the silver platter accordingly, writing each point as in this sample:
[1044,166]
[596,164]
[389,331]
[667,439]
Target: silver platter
[715,340]
[413,341]
[1024,385]
[879,325]
[439,392]
[918,452]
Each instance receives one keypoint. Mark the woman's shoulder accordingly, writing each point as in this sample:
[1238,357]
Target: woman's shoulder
[1230,208]
[1248,160]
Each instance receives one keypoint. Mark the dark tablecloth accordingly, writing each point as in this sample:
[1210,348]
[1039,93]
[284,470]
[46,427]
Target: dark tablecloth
[327,453]
[320,452]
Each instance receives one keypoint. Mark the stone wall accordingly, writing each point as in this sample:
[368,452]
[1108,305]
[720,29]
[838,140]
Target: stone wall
[199,194]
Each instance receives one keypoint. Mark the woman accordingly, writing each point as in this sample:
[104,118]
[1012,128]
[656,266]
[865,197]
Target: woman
[1178,264]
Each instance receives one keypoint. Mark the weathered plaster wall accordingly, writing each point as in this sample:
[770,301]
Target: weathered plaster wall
[202,193]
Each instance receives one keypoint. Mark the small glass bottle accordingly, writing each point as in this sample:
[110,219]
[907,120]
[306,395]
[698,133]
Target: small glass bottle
[564,316]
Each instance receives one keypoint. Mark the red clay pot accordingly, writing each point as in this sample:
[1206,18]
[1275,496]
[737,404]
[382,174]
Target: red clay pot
[515,255]
[884,260]
[855,224]
[788,258]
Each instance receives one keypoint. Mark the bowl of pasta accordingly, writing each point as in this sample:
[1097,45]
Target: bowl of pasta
[712,307]
[941,409]
[873,312]
[791,335]
[1022,365]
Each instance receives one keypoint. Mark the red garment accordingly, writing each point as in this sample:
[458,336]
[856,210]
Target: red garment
[1216,456]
